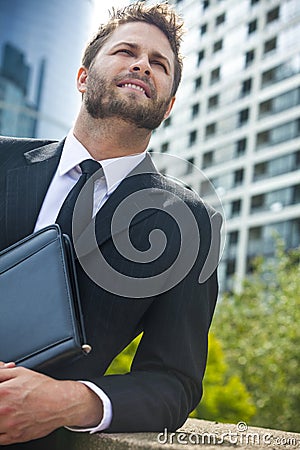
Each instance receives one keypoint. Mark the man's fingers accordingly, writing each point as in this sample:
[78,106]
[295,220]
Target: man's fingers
[10,365]
[7,365]
[7,373]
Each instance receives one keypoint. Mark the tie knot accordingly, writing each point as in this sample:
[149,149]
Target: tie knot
[89,167]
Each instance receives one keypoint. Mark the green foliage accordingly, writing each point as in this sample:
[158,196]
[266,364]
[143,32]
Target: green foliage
[260,333]
[225,397]
[122,362]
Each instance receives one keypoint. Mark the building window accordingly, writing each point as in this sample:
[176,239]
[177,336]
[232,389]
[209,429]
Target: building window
[278,73]
[220,19]
[265,107]
[252,26]
[270,45]
[200,57]
[203,29]
[215,75]
[236,208]
[263,138]
[241,147]
[238,177]
[195,110]
[213,101]
[281,102]
[205,4]
[260,170]
[255,233]
[164,147]
[210,129]
[167,122]
[233,236]
[208,159]
[268,77]
[281,133]
[297,159]
[296,194]
[230,267]
[257,202]
[243,116]
[275,199]
[249,57]
[272,15]
[190,165]
[246,87]
[278,166]
[198,83]
[218,46]
[205,187]
[192,137]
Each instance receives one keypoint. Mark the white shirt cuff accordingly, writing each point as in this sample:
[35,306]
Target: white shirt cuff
[107,410]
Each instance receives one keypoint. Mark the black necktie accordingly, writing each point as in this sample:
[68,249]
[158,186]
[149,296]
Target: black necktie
[89,168]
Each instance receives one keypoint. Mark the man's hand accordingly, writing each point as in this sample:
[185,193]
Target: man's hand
[33,405]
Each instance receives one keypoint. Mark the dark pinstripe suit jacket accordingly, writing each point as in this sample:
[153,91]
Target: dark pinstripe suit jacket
[165,382]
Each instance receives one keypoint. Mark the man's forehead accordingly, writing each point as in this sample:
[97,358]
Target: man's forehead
[142,34]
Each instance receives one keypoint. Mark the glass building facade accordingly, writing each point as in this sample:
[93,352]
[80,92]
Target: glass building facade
[237,117]
[41,45]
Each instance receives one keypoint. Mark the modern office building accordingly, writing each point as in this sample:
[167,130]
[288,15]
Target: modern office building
[237,118]
[41,45]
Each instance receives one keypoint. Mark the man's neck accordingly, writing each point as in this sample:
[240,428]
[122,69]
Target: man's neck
[111,137]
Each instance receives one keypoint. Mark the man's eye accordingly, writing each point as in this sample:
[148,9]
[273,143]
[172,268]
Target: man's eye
[158,63]
[124,50]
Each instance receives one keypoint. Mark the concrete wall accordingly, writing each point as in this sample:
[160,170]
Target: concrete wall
[194,434]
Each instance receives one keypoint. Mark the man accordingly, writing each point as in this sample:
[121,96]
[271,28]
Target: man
[128,80]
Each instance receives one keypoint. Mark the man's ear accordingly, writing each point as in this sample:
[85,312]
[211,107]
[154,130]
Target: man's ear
[82,79]
[167,113]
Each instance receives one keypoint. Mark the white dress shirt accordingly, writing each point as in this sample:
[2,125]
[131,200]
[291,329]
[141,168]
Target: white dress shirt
[65,177]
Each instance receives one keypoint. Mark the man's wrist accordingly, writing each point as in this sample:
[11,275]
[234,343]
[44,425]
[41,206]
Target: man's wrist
[85,409]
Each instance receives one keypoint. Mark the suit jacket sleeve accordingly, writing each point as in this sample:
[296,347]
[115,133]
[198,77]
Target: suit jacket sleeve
[165,382]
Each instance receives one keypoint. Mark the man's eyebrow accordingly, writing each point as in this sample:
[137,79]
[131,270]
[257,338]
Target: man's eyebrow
[164,58]
[155,53]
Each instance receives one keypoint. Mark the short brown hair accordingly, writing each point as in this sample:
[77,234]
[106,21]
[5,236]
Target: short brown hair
[161,15]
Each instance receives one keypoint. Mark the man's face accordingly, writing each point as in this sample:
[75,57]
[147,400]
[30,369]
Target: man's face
[132,76]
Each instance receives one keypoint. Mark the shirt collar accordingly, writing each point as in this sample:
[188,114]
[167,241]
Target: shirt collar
[115,169]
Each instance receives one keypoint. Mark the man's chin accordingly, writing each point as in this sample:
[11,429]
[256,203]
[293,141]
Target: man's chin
[130,109]
[131,94]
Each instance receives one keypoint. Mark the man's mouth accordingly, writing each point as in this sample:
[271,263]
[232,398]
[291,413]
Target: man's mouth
[137,86]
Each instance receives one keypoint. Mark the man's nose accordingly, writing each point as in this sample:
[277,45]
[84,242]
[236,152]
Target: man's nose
[142,65]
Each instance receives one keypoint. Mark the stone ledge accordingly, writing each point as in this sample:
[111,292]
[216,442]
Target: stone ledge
[194,434]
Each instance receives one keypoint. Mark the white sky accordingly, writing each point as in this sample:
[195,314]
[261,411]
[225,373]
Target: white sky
[101,8]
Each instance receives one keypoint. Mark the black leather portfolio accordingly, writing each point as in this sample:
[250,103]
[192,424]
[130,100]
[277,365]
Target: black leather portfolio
[41,324]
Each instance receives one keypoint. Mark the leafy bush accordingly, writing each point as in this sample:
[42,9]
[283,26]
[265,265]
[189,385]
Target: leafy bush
[260,333]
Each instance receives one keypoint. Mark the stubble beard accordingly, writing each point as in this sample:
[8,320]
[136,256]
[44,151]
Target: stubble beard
[102,102]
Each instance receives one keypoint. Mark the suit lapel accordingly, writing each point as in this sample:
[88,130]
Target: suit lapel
[26,189]
[134,194]
[137,197]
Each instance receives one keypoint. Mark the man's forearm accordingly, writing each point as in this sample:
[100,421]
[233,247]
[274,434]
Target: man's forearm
[33,405]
